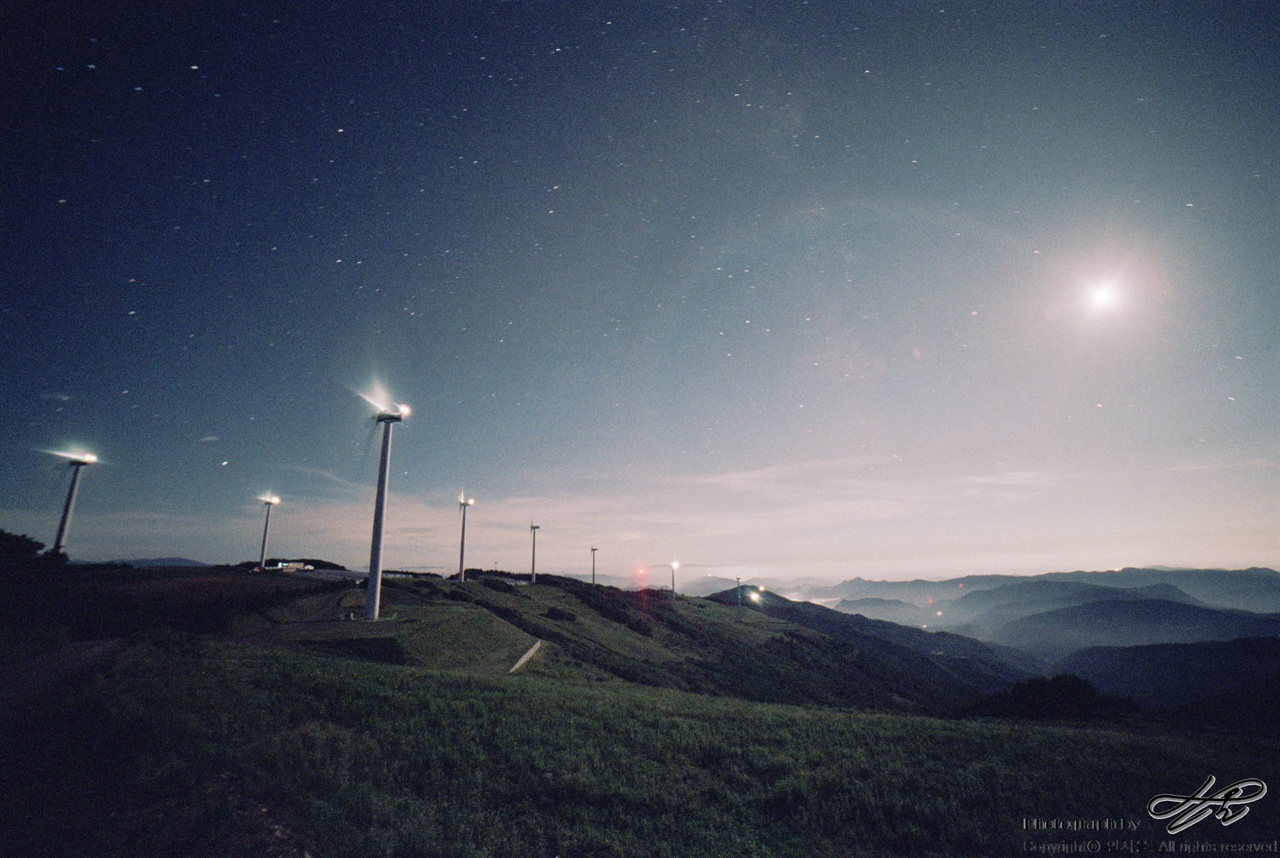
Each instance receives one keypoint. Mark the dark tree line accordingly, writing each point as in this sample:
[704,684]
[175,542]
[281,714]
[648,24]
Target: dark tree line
[21,552]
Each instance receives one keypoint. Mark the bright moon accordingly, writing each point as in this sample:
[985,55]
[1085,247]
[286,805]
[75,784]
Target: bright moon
[1103,296]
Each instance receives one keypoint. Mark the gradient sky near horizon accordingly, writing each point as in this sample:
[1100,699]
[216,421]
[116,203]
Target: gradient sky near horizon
[823,289]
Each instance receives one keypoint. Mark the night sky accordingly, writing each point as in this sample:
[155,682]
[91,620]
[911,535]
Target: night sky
[824,289]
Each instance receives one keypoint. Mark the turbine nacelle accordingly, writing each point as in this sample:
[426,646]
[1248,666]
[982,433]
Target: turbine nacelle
[77,458]
[400,413]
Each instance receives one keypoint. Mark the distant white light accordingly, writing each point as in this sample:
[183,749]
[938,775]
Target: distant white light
[382,402]
[1103,296]
[76,456]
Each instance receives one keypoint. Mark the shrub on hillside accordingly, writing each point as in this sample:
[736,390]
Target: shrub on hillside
[19,550]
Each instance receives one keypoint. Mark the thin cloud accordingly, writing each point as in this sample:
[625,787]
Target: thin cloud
[1249,464]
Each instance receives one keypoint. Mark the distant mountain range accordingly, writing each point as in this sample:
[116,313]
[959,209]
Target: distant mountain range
[1166,638]
[1052,635]
[1254,589]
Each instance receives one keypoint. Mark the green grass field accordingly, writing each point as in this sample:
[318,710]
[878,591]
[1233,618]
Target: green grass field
[283,734]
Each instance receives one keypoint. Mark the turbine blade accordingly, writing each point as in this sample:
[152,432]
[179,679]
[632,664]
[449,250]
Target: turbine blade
[365,449]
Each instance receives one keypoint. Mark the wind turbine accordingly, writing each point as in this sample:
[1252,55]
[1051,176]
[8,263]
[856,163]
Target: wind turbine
[78,461]
[268,501]
[593,565]
[463,503]
[533,561]
[675,564]
[387,416]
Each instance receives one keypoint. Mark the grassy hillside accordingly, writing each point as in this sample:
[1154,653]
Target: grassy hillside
[774,652]
[242,717]
[177,738]
[968,661]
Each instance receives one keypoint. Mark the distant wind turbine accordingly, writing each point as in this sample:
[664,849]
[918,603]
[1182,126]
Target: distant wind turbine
[268,501]
[78,461]
[387,416]
[463,503]
[533,561]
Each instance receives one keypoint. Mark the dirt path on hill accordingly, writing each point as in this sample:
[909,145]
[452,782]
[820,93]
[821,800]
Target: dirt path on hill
[528,655]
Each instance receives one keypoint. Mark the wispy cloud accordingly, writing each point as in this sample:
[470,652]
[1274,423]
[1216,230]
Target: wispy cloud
[1245,464]
[324,475]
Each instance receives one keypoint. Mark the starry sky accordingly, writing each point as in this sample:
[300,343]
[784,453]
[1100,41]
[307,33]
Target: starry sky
[812,289]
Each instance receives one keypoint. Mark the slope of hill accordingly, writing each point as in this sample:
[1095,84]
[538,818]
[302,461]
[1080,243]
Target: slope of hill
[977,663]
[1167,676]
[713,646]
[216,712]
[793,653]
[1126,623]
[202,747]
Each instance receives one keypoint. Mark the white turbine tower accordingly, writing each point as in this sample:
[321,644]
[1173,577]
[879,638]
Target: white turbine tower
[78,461]
[268,501]
[533,560]
[463,503]
[387,416]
